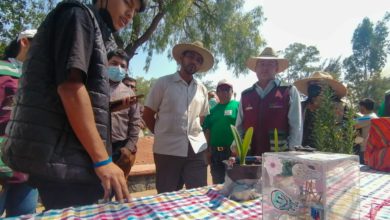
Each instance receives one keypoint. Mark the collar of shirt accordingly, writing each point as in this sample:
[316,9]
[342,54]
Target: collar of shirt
[177,78]
[271,84]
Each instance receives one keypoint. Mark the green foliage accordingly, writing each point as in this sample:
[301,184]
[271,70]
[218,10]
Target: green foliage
[230,33]
[303,60]
[330,134]
[19,15]
[144,85]
[223,27]
[333,66]
[370,46]
[374,88]
[242,145]
[209,84]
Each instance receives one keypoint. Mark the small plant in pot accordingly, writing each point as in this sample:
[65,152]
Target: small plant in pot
[242,180]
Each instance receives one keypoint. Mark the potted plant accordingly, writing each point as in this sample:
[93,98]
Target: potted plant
[242,173]
[243,167]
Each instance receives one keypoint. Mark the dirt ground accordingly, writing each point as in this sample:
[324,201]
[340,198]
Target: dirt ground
[144,151]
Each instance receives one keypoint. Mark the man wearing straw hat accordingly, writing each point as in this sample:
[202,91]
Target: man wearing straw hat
[270,107]
[174,111]
[312,87]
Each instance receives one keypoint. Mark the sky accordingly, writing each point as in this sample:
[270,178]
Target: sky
[325,24]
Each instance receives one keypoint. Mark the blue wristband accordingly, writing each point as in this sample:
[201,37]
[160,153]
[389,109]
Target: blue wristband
[102,163]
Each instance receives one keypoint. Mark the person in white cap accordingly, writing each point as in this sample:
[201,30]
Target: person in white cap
[15,53]
[174,111]
[218,132]
[270,106]
[17,197]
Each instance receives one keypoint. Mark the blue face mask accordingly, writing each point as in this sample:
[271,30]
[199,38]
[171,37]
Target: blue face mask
[116,73]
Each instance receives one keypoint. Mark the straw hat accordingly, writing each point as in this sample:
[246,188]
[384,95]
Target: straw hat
[339,89]
[267,54]
[197,46]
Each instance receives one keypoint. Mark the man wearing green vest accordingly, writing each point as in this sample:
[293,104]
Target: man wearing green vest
[217,130]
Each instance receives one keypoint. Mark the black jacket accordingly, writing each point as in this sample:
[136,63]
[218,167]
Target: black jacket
[40,139]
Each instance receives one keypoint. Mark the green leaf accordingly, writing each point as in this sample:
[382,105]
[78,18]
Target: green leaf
[246,143]
[242,145]
[237,140]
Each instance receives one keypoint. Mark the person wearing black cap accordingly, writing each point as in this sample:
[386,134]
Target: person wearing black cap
[60,130]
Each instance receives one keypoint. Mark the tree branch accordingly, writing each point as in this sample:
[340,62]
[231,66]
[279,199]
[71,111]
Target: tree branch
[205,7]
[132,48]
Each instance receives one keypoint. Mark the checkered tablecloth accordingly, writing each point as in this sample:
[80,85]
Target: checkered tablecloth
[207,203]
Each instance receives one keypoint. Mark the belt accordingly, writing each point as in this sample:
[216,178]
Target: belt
[220,149]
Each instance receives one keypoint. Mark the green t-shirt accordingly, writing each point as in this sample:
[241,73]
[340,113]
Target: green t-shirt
[381,110]
[8,69]
[219,121]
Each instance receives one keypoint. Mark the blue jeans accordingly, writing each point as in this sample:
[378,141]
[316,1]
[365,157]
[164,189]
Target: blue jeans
[18,199]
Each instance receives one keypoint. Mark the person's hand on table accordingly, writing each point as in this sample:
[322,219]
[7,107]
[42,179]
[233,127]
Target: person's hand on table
[112,178]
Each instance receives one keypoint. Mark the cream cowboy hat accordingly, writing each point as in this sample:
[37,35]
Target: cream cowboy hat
[267,54]
[337,86]
[197,46]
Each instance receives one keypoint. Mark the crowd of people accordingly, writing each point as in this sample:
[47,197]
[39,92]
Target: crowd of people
[70,118]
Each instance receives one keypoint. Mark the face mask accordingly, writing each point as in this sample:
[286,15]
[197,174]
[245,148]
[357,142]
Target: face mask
[116,73]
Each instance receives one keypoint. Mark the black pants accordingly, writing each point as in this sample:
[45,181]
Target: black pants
[217,167]
[172,172]
[357,151]
[56,195]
